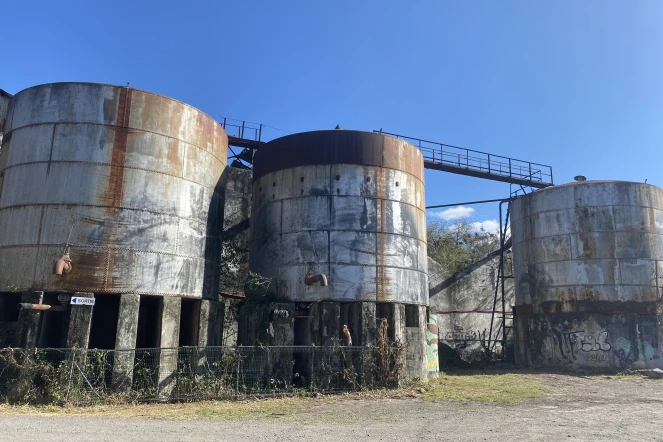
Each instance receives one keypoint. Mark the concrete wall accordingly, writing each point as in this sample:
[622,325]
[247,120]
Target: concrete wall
[463,303]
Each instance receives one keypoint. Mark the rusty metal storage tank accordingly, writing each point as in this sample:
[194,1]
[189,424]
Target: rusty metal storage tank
[587,275]
[128,177]
[339,227]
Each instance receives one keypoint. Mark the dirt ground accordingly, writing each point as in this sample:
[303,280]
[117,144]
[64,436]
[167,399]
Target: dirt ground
[573,408]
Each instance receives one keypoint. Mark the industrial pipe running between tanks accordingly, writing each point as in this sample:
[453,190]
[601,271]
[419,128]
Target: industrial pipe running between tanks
[312,279]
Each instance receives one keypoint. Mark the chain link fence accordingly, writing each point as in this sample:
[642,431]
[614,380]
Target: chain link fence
[82,377]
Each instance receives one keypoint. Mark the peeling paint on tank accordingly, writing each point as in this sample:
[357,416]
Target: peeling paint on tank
[130,171]
[373,216]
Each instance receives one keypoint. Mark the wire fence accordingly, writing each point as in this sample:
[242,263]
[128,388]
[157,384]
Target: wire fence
[84,377]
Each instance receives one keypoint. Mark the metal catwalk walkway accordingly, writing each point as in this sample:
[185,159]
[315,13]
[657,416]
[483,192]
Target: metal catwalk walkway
[437,156]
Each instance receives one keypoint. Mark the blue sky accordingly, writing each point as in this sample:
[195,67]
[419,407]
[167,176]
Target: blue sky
[577,85]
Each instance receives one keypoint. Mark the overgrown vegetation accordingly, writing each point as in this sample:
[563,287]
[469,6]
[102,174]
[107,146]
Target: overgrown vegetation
[458,245]
[87,377]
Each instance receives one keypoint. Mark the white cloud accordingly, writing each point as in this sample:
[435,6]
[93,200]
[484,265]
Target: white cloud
[454,213]
[489,226]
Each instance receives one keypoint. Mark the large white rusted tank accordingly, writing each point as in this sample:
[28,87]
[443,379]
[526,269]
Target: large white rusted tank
[127,176]
[346,204]
[588,274]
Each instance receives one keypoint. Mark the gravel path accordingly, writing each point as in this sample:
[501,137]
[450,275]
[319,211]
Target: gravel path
[576,408]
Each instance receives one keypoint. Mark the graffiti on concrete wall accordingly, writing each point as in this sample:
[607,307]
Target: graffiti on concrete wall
[617,345]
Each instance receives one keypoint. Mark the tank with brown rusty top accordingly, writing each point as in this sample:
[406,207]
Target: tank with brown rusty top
[345,204]
[128,177]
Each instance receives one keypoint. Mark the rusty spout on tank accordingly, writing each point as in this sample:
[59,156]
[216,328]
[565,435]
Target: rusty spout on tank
[312,279]
[63,265]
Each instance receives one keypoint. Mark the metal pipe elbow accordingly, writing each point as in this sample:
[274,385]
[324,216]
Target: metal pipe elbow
[312,279]
[62,266]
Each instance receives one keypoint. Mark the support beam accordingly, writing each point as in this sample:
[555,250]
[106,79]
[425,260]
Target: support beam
[416,355]
[210,325]
[29,320]
[368,324]
[330,313]
[125,342]
[80,320]
[169,336]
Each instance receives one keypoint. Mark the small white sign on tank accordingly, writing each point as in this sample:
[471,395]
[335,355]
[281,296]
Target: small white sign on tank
[81,301]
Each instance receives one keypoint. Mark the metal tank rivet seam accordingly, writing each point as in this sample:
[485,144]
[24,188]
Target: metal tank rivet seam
[119,127]
[95,163]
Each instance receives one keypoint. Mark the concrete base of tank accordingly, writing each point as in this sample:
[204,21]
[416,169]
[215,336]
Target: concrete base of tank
[115,322]
[590,340]
[321,324]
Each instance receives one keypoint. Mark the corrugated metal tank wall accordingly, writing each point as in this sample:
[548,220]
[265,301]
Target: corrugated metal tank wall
[131,174]
[587,268]
[347,204]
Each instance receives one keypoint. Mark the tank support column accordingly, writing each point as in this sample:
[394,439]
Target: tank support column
[125,342]
[368,324]
[395,316]
[211,317]
[416,355]
[80,320]
[330,314]
[171,307]
[210,329]
[28,320]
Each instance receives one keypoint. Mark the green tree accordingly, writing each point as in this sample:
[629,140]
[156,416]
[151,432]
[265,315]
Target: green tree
[458,245]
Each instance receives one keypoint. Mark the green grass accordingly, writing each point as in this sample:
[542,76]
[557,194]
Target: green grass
[503,388]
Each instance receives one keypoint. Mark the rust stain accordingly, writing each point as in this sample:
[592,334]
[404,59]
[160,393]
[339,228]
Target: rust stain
[205,127]
[338,147]
[381,246]
[175,163]
[114,191]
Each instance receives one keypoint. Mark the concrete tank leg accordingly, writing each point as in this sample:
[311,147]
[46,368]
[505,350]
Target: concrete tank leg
[395,316]
[399,323]
[416,356]
[368,324]
[330,314]
[80,320]
[28,320]
[171,307]
[432,342]
[78,325]
[210,334]
[210,331]
[125,342]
